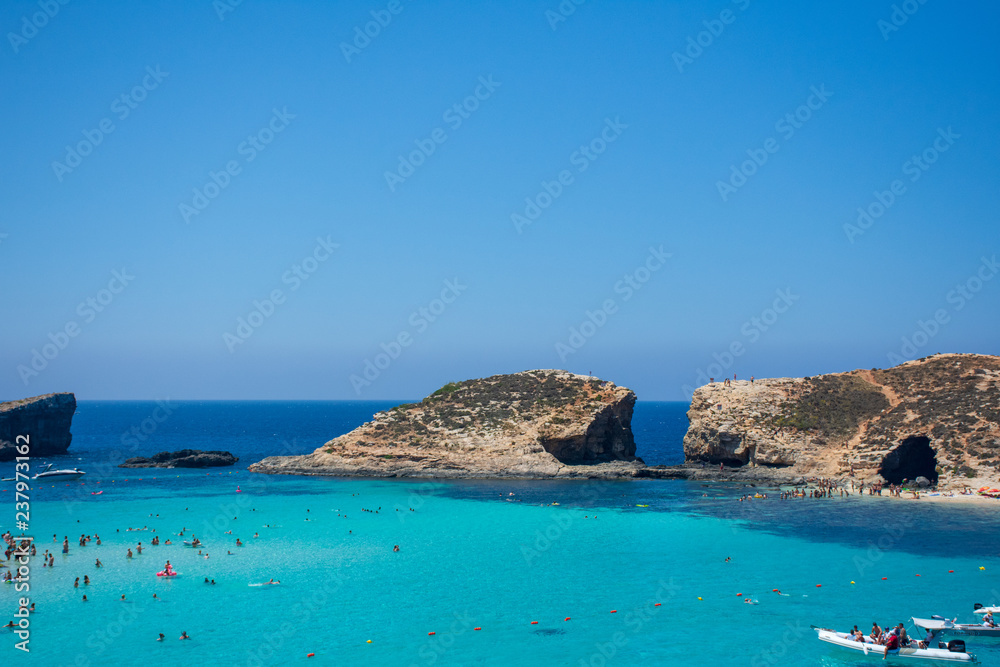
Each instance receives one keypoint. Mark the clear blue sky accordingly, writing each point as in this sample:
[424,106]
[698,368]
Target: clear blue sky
[885,95]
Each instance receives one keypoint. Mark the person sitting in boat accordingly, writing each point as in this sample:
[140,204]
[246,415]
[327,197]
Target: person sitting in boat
[904,641]
[988,620]
[928,638]
[891,643]
[876,634]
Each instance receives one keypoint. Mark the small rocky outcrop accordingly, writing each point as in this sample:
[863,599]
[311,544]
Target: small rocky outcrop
[534,424]
[46,420]
[937,418]
[185,458]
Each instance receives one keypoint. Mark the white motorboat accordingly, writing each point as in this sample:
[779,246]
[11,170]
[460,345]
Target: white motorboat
[939,624]
[980,609]
[952,652]
[47,474]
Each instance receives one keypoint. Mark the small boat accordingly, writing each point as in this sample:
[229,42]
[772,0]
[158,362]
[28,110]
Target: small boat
[197,543]
[980,609]
[49,475]
[939,624]
[952,652]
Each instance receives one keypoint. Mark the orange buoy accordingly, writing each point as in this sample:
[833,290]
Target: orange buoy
[309,655]
[819,585]
[739,595]
[885,578]
[534,622]
[951,571]
[477,628]
[657,604]
[430,633]
[614,611]
[918,575]
[567,618]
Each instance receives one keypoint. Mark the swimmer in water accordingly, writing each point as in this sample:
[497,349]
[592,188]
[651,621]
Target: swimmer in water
[184,635]
[98,563]
[84,598]
[161,637]
[123,597]
[395,547]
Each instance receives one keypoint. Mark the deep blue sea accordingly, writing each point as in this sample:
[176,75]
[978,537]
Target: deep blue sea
[501,572]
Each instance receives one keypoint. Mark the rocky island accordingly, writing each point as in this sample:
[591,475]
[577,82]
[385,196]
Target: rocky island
[936,418]
[45,419]
[534,424]
[184,458]
[935,421]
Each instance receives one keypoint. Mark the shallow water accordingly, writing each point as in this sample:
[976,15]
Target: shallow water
[471,555]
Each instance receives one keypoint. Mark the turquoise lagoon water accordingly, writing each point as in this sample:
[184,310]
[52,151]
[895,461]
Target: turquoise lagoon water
[471,556]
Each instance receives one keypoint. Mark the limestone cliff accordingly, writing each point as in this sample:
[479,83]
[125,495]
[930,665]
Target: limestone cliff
[936,417]
[534,424]
[45,419]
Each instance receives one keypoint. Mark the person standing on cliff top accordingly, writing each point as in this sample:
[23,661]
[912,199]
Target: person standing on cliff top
[751,379]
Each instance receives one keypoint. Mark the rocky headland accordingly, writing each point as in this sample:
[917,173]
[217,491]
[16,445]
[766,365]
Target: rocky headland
[936,418]
[933,421]
[184,458]
[534,424]
[46,420]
